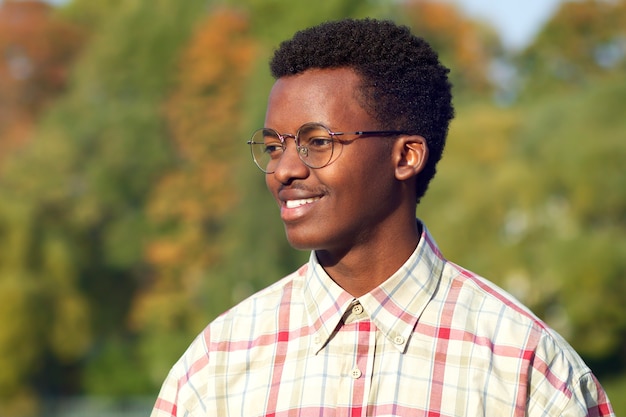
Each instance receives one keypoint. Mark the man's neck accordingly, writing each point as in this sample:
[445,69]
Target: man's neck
[366,266]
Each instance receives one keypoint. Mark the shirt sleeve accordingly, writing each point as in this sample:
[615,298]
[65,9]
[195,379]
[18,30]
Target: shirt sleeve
[561,384]
[166,404]
[588,399]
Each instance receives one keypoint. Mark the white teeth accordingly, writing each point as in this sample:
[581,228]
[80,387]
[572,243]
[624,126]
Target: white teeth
[298,203]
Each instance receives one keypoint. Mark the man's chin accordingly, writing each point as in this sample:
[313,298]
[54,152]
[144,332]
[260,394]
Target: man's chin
[300,241]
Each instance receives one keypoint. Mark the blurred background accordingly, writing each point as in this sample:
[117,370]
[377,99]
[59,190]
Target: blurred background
[131,213]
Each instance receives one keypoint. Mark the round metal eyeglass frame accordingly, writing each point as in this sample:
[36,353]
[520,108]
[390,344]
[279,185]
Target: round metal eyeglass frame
[316,153]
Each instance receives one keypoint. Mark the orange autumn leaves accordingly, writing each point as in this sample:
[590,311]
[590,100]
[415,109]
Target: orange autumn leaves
[37,51]
[463,44]
[189,203]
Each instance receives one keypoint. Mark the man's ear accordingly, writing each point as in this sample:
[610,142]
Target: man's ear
[410,156]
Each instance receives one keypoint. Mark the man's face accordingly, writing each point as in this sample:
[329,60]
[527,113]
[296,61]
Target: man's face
[346,203]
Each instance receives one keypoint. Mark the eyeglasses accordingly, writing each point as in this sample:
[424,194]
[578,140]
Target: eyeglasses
[315,144]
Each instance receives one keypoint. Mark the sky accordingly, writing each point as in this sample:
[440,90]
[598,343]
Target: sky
[517,21]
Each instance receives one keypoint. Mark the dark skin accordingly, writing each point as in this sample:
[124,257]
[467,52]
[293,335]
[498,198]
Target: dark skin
[358,213]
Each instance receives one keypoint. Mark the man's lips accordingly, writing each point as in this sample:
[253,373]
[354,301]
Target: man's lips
[294,197]
[296,203]
[290,204]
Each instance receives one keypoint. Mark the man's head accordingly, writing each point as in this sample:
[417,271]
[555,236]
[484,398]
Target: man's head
[404,86]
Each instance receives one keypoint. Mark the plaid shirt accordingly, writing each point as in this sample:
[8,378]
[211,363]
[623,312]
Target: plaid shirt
[432,340]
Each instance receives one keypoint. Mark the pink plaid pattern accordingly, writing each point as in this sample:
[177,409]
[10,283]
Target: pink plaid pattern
[432,340]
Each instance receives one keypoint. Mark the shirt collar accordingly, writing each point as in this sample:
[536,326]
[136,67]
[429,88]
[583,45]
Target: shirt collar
[394,307]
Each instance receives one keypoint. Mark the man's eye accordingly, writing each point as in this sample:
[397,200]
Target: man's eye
[319,143]
[273,148]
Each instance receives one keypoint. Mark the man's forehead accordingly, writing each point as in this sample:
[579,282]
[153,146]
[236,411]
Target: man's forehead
[324,96]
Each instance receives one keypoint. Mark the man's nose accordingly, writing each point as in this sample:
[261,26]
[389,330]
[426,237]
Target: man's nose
[290,166]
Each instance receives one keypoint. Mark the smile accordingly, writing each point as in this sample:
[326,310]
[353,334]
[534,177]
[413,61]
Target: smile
[297,203]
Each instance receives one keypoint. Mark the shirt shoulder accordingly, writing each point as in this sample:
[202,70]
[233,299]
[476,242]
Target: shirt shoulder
[249,318]
[264,302]
[253,321]
[491,311]
[558,380]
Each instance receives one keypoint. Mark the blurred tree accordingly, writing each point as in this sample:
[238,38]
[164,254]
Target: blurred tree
[89,14]
[38,47]
[72,205]
[575,139]
[584,41]
[553,233]
[273,21]
[191,203]
[464,45]
[578,220]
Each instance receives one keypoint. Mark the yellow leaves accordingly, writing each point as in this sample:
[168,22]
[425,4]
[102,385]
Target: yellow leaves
[163,252]
[195,194]
[482,134]
[203,112]
[70,333]
[35,317]
[41,309]
[19,339]
[69,329]
[222,38]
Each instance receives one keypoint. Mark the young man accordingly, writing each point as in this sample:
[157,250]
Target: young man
[377,323]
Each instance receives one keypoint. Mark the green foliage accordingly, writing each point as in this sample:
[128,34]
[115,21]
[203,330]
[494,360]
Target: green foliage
[615,389]
[462,45]
[72,201]
[190,203]
[115,360]
[584,41]
[276,20]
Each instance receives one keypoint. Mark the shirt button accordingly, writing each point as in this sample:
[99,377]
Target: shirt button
[316,339]
[357,309]
[398,340]
[355,373]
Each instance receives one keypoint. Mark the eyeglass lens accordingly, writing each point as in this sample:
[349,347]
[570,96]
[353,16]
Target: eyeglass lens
[314,145]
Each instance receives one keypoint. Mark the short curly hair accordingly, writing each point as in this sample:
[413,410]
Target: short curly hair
[404,86]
